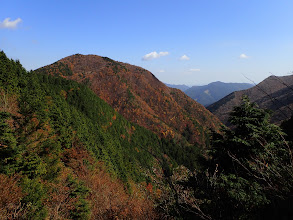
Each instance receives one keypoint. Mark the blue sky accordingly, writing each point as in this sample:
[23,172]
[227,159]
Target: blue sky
[190,42]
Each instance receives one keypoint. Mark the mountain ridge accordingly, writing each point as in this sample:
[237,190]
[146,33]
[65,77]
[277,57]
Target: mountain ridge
[182,87]
[208,94]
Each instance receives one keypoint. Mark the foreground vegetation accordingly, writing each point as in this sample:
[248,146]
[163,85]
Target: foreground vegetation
[249,173]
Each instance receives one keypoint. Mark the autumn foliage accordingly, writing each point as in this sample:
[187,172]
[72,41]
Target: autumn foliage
[138,95]
[108,196]
[66,154]
[11,194]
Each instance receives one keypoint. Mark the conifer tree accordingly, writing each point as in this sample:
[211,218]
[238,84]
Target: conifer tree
[7,142]
[251,170]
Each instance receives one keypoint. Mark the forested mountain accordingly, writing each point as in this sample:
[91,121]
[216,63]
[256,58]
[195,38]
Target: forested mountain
[213,92]
[181,87]
[139,96]
[66,154]
[274,93]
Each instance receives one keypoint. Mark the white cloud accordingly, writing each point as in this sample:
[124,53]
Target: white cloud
[243,56]
[154,55]
[161,71]
[7,23]
[194,70]
[163,54]
[184,57]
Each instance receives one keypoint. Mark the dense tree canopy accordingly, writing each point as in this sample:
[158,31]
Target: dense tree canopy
[250,170]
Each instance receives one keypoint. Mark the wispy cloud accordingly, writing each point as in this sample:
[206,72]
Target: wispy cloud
[184,57]
[161,71]
[243,56]
[154,55]
[8,24]
[194,70]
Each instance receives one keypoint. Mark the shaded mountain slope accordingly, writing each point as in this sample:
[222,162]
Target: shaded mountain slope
[213,92]
[138,95]
[274,93]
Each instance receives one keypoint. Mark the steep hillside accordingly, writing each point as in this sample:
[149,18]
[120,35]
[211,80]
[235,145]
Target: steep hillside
[138,95]
[213,92]
[274,93]
[67,154]
[181,87]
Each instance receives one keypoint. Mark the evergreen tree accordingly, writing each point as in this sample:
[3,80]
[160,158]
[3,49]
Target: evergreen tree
[250,171]
[7,143]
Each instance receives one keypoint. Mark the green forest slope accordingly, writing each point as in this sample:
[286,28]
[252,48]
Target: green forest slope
[48,122]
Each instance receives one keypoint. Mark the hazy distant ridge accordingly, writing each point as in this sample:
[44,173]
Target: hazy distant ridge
[214,91]
[181,87]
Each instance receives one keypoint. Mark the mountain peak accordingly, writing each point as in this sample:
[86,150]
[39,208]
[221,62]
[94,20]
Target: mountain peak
[138,95]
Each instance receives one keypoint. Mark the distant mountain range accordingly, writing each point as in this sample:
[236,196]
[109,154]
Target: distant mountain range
[213,92]
[139,96]
[274,93]
[181,87]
